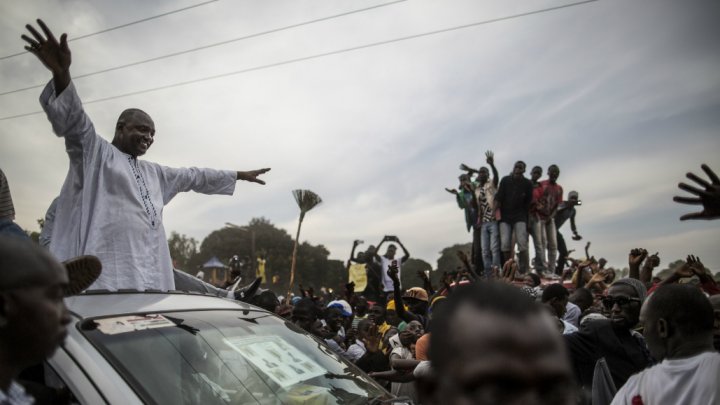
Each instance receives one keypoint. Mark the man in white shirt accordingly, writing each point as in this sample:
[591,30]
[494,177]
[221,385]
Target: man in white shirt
[386,261]
[111,202]
[678,325]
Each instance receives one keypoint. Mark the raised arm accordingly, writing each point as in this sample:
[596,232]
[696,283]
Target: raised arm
[406,256]
[53,54]
[635,258]
[352,252]
[491,161]
[406,316]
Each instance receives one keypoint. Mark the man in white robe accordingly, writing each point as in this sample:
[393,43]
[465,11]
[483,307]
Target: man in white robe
[111,202]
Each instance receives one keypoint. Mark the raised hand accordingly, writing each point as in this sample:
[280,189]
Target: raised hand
[53,54]
[393,272]
[490,157]
[598,277]
[684,270]
[696,265]
[451,190]
[652,261]
[252,175]
[636,257]
[372,339]
[709,198]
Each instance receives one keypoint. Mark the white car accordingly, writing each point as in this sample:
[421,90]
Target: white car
[178,348]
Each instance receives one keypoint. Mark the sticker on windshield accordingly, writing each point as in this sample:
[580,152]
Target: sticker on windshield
[279,360]
[132,323]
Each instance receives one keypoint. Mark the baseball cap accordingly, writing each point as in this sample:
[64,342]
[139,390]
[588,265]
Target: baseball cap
[417,293]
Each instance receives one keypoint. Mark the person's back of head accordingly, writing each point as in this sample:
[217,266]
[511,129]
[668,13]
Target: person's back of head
[266,300]
[582,297]
[556,296]
[678,322]
[492,344]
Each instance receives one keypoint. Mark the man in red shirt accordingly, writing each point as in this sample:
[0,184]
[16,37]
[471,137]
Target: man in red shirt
[547,197]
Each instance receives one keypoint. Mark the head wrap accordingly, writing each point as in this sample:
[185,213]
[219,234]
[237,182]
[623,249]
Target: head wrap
[635,284]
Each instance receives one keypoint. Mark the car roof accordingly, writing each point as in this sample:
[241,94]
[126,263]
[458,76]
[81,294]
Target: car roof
[92,304]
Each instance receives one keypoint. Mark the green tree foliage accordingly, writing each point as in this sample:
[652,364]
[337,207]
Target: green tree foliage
[449,261]
[409,272]
[314,269]
[182,251]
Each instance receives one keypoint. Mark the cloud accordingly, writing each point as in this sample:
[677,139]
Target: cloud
[623,96]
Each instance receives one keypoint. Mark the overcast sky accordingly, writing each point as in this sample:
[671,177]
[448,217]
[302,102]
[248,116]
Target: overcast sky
[623,95]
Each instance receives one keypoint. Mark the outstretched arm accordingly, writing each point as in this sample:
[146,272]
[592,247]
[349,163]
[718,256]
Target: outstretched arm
[53,54]
[252,175]
[709,198]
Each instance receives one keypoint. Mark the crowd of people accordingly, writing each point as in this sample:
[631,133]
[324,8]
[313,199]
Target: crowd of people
[493,333]
[504,213]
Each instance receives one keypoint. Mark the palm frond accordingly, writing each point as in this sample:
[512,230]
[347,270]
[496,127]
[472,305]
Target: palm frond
[306,200]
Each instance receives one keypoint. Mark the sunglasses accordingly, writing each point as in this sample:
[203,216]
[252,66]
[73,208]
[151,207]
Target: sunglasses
[610,301]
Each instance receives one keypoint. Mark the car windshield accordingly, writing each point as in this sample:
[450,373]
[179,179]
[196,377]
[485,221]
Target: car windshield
[220,357]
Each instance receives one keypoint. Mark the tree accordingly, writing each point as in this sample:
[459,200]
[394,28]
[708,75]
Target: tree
[182,251]
[449,261]
[409,271]
[313,267]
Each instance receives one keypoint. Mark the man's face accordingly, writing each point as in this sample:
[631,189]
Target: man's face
[553,174]
[334,319]
[134,133]
[390,253]
[377,314]
[494,359]
[415,328]
[483,175]
[624,314]
[37,317]
[536,173]
[415,305]
[519,169]
[559,305]
[320,330]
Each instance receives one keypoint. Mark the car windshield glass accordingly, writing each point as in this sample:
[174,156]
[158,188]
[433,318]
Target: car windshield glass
[220,357]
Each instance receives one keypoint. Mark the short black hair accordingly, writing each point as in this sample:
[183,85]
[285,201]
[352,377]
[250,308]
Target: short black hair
[309,305]
[583,294]
[556,290]
[495,297]
[682,306]
[535,278]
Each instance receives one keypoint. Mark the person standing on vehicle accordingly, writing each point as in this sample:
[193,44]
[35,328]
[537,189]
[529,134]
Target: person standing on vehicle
[547,198]
[111,203]
[513,200]
[565,211]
